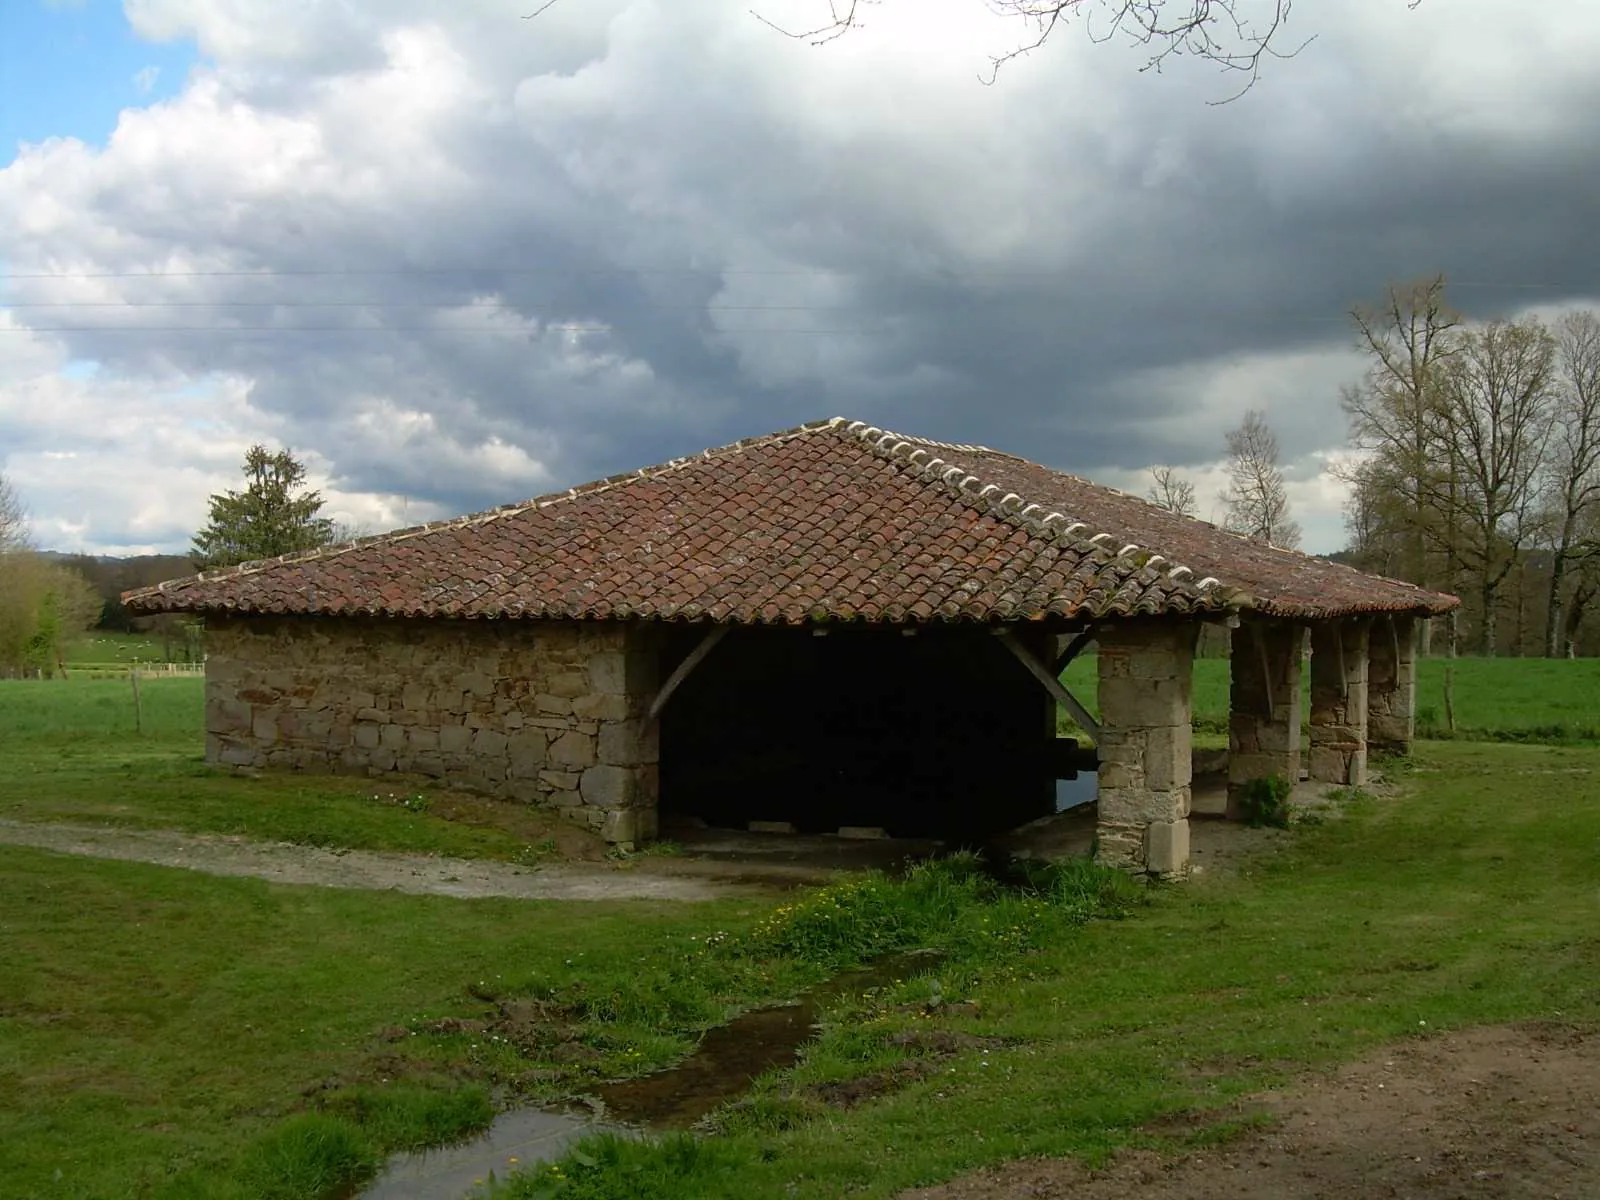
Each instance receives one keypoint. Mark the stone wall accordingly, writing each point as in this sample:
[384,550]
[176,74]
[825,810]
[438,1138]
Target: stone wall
[547,713]
[1339,702]
[1145,746]
[1263,705]
[1392,685]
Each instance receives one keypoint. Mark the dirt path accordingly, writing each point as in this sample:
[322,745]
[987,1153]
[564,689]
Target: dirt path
[283,862]
[1485,1114]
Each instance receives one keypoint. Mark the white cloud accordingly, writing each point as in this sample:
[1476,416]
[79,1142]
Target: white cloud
[145,79]
[460,257]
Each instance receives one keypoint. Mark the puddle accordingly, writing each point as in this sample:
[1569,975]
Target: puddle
[516,1140]
[730,1056]
[720,1069]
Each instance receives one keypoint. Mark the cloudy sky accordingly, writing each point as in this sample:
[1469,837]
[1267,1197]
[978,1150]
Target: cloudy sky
[456,258]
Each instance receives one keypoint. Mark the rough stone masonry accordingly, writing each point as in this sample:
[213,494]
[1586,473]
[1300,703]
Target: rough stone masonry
[552,713]
[1146,746]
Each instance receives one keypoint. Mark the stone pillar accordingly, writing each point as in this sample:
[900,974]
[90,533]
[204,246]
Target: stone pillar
[1392,685]
[1263,705]
[1339,702]
[1145,747]
[624,782]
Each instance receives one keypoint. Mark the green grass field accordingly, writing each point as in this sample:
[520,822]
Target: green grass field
[102,646]
[69,752]
[1496,699]
[166,1034]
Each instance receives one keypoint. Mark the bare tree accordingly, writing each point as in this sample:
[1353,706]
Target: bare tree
[1221,32]
[1257,502]
[1170,491]
[1395,414]
[13,518]
[1585,584]
[1369,516]
[1575,462]
[1499,393]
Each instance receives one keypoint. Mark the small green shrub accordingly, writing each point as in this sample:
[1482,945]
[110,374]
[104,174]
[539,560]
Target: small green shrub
[405,1117]
[864,917]
[1266,802]
[308,1157]
[609,1167]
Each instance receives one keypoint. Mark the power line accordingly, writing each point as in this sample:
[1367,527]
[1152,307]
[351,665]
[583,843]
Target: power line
[219,329]
[558,272]
[398,304]
[362,272]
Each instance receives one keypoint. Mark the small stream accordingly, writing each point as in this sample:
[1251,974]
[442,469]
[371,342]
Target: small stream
[720,1069]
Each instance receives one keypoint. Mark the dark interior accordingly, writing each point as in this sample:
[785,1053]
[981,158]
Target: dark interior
[942,734]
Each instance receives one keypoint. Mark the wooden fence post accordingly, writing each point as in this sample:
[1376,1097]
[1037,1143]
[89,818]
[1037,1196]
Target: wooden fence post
[1450,699]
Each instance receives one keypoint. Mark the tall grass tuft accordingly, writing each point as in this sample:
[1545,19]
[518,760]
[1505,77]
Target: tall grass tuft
[401,1117]
[619,1168]
[309,1156]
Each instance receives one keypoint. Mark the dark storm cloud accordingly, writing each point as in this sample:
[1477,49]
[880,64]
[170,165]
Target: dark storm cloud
[662,227]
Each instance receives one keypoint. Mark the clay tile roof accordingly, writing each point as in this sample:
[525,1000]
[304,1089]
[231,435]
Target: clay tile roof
[832,521]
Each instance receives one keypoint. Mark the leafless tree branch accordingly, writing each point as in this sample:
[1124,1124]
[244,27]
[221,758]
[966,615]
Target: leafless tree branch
[1256,499]
[1170,491]
[844,18]
[1218,31]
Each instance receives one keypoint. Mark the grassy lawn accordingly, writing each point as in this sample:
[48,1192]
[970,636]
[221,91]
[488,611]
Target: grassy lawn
[1496,699]
[1470,900]
[165,1034]
[168,1034]
[160,1031]
[68,752]
[106,647]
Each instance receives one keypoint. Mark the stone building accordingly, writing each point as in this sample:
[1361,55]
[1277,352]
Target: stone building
[832,625]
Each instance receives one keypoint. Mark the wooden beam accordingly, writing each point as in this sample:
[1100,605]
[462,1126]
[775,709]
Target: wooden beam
[1039,671]
[714,635]
[1259,637]
[1073,649]
[1344,675]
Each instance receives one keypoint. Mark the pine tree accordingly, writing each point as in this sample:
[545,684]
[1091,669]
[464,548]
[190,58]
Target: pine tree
[272,516]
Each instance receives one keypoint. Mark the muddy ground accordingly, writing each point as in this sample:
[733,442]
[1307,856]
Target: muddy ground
[1505,1113]
[713,862]
[283,862]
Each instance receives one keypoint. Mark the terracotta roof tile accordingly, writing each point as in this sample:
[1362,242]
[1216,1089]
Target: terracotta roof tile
[832,521]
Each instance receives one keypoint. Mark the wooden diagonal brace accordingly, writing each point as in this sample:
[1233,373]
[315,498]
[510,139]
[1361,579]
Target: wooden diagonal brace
[1039,671]
[693,660]
[1073,649]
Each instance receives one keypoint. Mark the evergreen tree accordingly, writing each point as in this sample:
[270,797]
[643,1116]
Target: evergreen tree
[273,515]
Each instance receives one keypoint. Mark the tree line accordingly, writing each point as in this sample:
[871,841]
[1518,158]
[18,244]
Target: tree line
[49,600]
[1479,470]
[43,605]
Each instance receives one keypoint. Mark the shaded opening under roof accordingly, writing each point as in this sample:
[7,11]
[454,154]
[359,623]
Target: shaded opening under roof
[938,735]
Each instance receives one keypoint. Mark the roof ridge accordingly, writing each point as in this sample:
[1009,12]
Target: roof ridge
[1011,507]
[1254,541]
[544,500]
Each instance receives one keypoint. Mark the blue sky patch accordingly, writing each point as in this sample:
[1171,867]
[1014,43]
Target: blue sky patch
[69,67]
